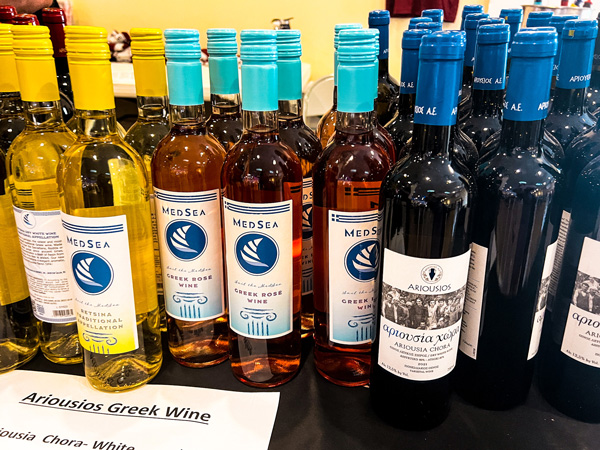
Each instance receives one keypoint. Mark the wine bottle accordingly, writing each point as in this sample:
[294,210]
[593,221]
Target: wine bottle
[55,20]
[186,169]
[512,253]
[31,168]
[431,26]
[401,125]
[104,198]
[7,14]
[558,22]
[326,126]
[295,134]
[568,116]
[569,371]
[18,326]
[262,183]
[25,19]
[437,15]
[152,124]
[388,89]
[489,77]
[225,122]
[513,17]
[347,178]
[469,9]
[471,23]
[593,92]
[539,19]
[414,21]
[426,203]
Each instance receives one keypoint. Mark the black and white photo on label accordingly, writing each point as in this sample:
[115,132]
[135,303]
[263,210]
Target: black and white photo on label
[422,312]
[586,294]
[542,298]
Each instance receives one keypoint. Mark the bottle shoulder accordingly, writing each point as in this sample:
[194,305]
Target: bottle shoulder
[566,127]
[144,136]
[303,141]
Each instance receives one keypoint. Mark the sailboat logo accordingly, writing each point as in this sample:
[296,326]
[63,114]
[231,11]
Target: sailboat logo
[29,220]
[186,240]
[362,260]
[256,253]
[307,221]
[92,273]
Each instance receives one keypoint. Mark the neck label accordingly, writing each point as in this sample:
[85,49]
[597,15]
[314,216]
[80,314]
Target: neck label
[384,40]
[489,73]
[528,92]
[436,102]
[224,77]
[575,70]
[410,70]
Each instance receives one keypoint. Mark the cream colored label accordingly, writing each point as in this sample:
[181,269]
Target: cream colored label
[13,283]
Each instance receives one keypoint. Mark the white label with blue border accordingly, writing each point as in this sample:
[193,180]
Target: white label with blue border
[259,257]
[354,245]
[191,252]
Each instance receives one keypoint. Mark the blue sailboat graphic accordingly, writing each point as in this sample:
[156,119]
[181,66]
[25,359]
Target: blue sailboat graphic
[250,253]
[366,260]
[178,240]
[83,272]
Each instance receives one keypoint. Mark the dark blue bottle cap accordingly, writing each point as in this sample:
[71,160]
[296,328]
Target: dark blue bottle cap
[490,21]
[535,43]
[580,29]
[538,19]
[471,9]
[472,19]
[558,22]
[512,15]
[431,26]
[442,45]
[437,15]
[379,17]
[413,22]
[493,34]
[411,39]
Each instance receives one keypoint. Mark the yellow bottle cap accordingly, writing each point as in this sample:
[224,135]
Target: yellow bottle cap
[89,64]
[35,63]
[148,55]
[9,81]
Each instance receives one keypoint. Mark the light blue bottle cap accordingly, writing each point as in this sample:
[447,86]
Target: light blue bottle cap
[538,19]
[336,42]
[289,50]
[222,61]
[414,21]
[184,69]
[357,69]
[259,70]
[437,15]
[431,26]
[512,15]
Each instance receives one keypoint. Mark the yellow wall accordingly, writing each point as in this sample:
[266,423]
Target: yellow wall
[315,18]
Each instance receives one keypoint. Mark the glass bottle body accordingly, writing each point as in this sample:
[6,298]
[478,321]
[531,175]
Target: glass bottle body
[102,177]
[225,122]
[568,117]
[426,201]
[64,87]
[190,160]
[347,178]
[592,96]
[261,169]
[485,117]
[300,138]
[144,136]
[12,120]
[400,127]
[326,125]
[32,161]
[388,91]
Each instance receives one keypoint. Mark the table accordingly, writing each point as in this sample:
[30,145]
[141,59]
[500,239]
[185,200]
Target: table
[315,414]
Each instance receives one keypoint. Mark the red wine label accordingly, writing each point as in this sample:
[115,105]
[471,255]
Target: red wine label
[581,340]
[307,236]
[421,310]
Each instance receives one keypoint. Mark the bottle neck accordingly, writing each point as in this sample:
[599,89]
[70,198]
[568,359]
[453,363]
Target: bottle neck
[10,103]
[43,114]
[523,135]
[260,121]
[334,98]
[62,66]
[406,104]
[290,110]
[595,79]
[432,140]
[384,66]
[96,124]
[467,79]
[225,105]
[355,123]
[569,100]
[187,115]
[152,108]
[487,102]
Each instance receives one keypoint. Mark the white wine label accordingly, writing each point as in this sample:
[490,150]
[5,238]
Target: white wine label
[189,232]
[13,281]
[565,220]
[259,256]
[42,245]
[542,298]
[422,304]
[307,236]
[97,250]
[156,246]
[354,248]
[469,336]
[581,340]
